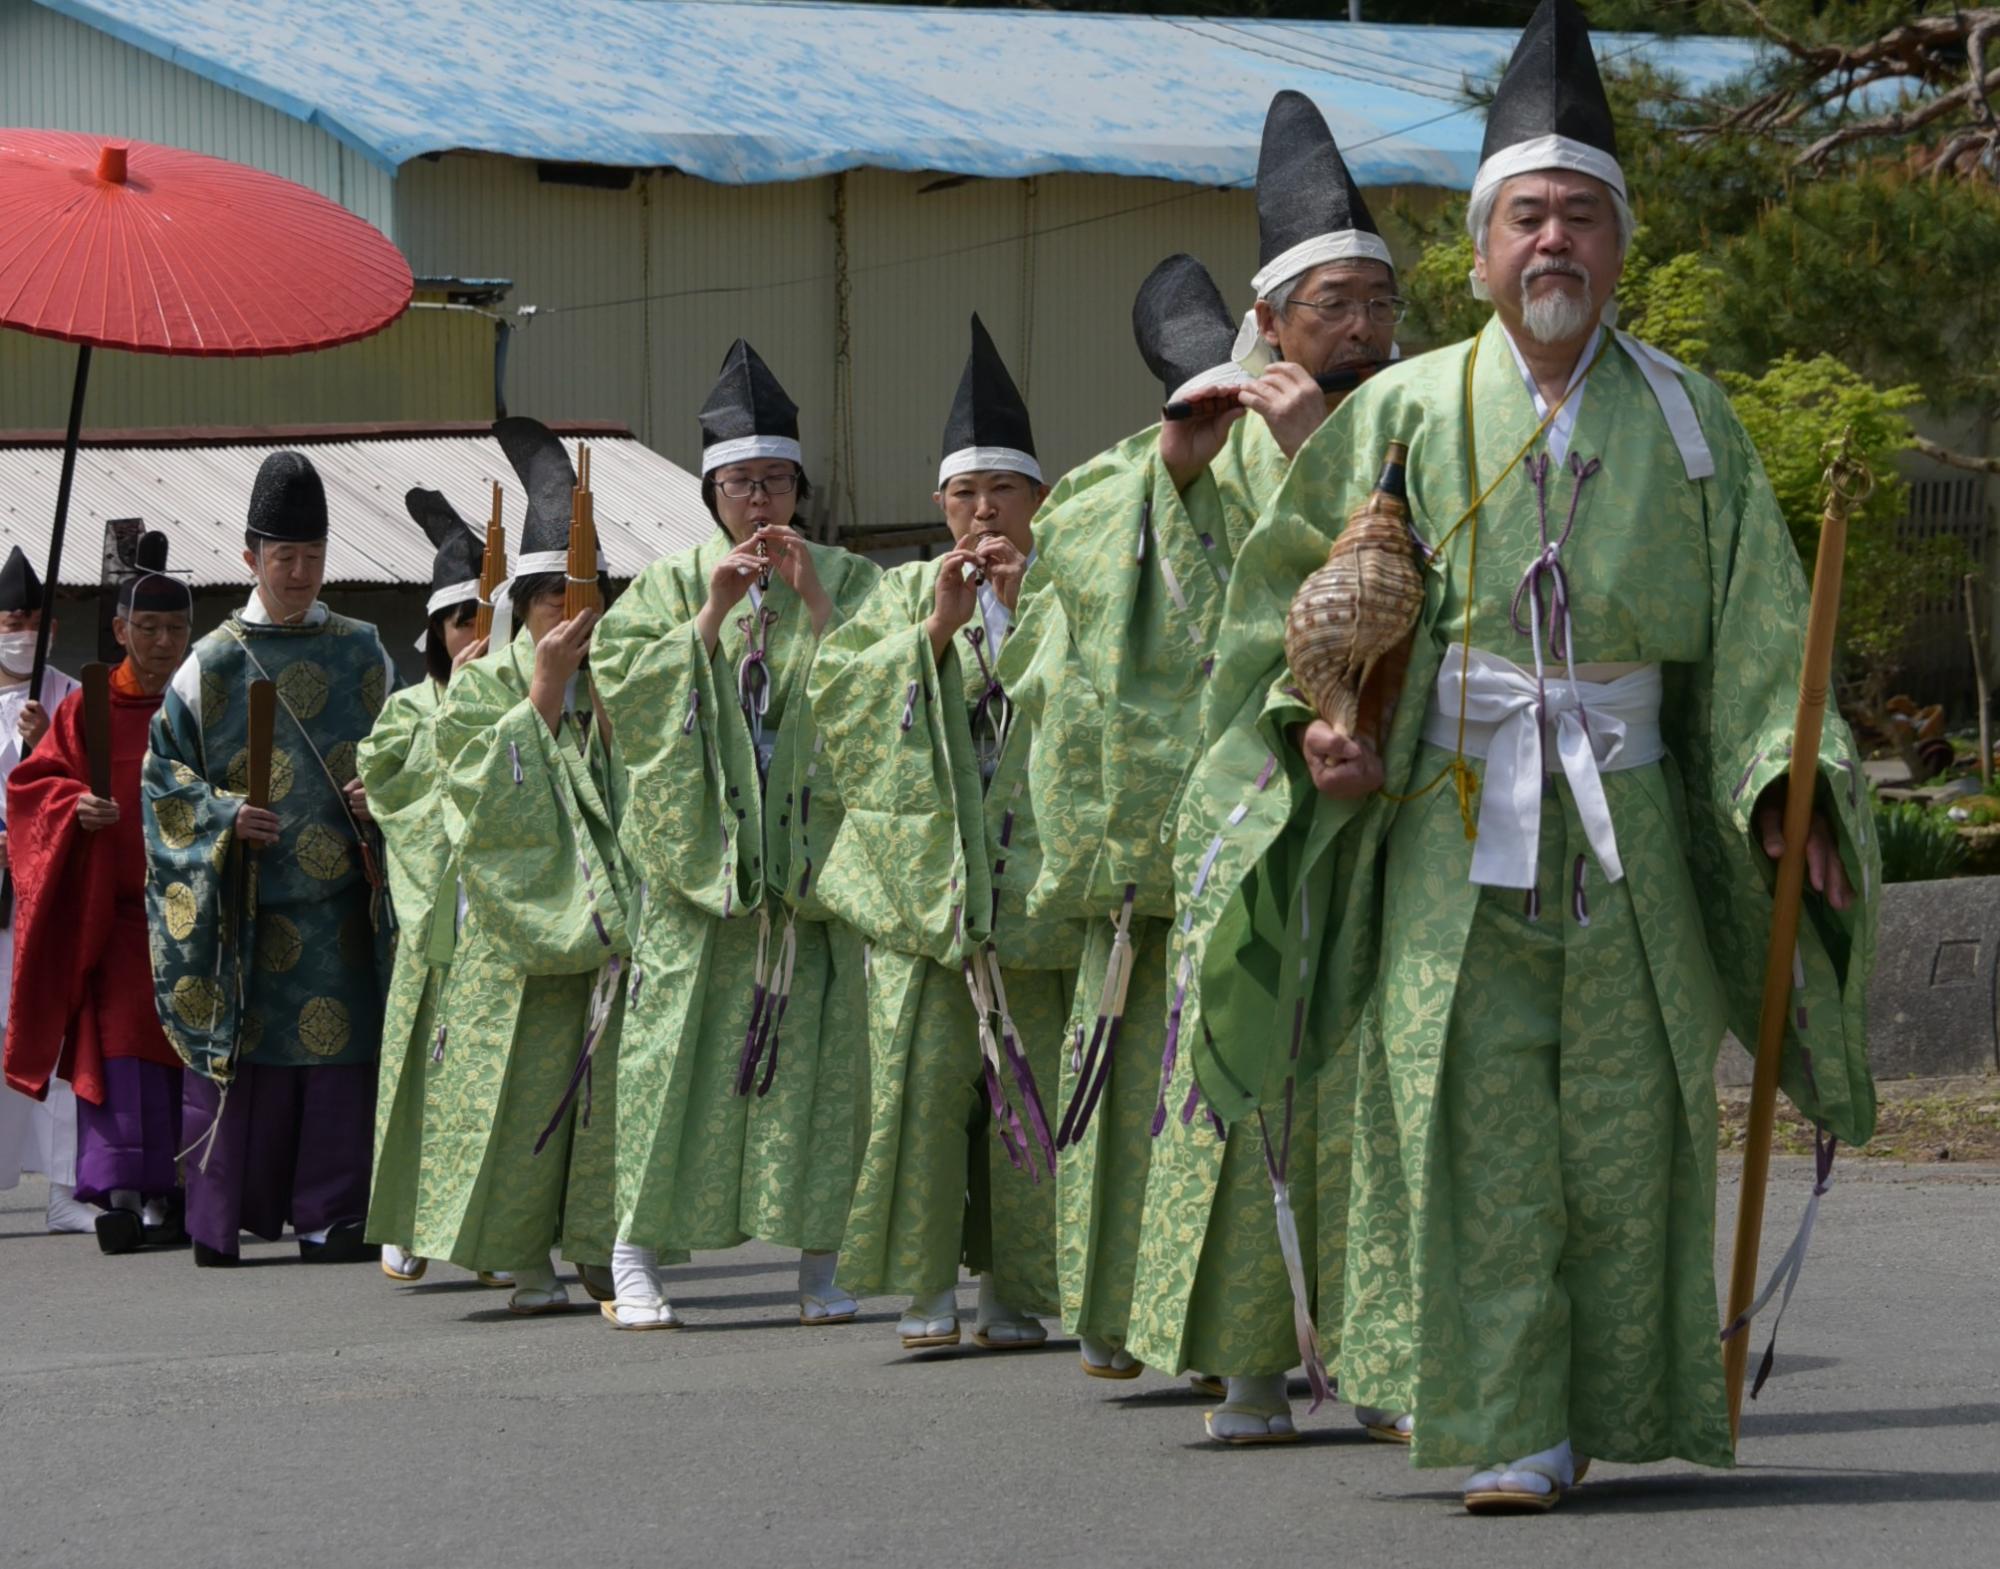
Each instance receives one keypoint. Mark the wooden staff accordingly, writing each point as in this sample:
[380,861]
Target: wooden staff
[580,592]
[97,727]
[1848,484]
[263,719]
[492,569]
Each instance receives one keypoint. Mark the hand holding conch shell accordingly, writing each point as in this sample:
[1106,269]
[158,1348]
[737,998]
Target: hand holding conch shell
[1347,633]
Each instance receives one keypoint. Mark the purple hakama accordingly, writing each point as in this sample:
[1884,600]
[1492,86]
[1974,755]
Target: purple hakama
[294,1144]
[133,1139]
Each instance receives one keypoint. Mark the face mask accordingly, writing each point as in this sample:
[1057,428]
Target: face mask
[17,651]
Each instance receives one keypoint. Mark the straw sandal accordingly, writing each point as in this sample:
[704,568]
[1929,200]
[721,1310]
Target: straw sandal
[1272,1433]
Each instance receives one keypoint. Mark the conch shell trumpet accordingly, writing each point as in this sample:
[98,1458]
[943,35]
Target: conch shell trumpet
[1352,618]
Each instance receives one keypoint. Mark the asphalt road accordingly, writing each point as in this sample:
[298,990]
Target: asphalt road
[152,1414]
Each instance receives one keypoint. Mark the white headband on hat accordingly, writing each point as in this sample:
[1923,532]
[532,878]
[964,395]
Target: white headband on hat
[1341,245]
[742,449]
[1546,152]
[972,460]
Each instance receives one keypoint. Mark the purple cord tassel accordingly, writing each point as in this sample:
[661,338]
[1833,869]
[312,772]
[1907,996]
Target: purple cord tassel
[1006,1123]
[746,1061]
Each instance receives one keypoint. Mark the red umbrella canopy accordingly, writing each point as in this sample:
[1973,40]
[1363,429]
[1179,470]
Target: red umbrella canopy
[127,245]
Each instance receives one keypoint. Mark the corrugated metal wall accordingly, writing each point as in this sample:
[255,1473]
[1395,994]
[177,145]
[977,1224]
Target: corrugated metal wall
[639,291]
[643,288]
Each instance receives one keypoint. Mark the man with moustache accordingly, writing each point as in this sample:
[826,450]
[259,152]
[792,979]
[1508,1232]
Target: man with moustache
[1599,697]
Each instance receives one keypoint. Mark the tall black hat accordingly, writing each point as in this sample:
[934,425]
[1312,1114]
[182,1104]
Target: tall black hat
[748,414]
[150,586]
[288,502]
[1183,328]
[548,476]
[988,426]
[1550,110]
[1309,210]
[460,552]
[20,587]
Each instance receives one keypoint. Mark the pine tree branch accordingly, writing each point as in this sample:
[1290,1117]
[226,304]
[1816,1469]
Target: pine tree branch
[1957,460]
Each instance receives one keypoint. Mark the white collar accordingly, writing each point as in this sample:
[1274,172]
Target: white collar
[1564,424]
[256,613]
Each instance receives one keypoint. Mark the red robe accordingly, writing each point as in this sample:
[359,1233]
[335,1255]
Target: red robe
[83,970]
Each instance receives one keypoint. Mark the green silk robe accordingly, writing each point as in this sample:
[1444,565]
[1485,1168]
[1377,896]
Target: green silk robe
[723,867]
[530,932]
[398,768]
[1123,602]
[932,866]
[291,973]
[1360,915]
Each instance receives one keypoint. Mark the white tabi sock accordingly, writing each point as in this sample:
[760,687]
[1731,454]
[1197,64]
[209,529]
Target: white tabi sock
[124,1198]
[641,1295]
[1516,1477]
[1001,1324]
[315,1236]
[65,1213]
[816,1273]
[1254,1406]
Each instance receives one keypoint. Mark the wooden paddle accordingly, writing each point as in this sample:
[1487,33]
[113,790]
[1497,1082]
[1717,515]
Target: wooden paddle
[263,719]
[97,727]
[1848,484]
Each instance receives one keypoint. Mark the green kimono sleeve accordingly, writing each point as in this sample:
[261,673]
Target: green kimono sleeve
[803,810]
[200,904]
[898,738]
[531,878]
[1277,884]
[397,765]
[1730,720]
[689,814]
[1139,582]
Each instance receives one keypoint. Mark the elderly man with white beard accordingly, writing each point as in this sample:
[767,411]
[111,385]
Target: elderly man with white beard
[1530,899]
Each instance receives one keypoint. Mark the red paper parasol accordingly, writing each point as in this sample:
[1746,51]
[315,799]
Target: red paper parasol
[124,245]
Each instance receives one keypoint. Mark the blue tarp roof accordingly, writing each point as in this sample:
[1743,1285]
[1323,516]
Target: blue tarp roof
[758,91]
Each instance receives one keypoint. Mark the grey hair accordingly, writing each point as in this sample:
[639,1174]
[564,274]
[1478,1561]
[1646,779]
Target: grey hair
[1279,296]
[1479,217]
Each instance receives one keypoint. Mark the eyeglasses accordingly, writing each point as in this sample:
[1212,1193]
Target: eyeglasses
[1385,310]
[737,489]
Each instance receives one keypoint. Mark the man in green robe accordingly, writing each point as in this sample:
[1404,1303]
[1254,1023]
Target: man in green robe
[1607,706]
[1212,1290]
[743,1085]
[398,767]
[270,931]
[529,929]
[967,996]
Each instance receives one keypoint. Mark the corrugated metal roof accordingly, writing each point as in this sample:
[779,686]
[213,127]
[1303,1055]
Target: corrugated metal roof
[760,91]
[195,485]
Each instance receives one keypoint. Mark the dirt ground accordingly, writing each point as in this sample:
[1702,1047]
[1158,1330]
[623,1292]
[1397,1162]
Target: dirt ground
[1922,1120]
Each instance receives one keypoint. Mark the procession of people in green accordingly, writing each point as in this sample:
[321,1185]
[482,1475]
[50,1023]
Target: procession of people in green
[1014,912]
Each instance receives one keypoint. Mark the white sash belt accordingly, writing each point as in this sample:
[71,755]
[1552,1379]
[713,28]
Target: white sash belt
[1597,727]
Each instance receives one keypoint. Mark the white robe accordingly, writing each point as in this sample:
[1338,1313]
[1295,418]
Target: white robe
[34,1135]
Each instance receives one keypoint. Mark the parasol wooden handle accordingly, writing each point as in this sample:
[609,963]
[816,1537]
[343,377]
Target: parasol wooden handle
[96,681]
[1848,484]
[263,720]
